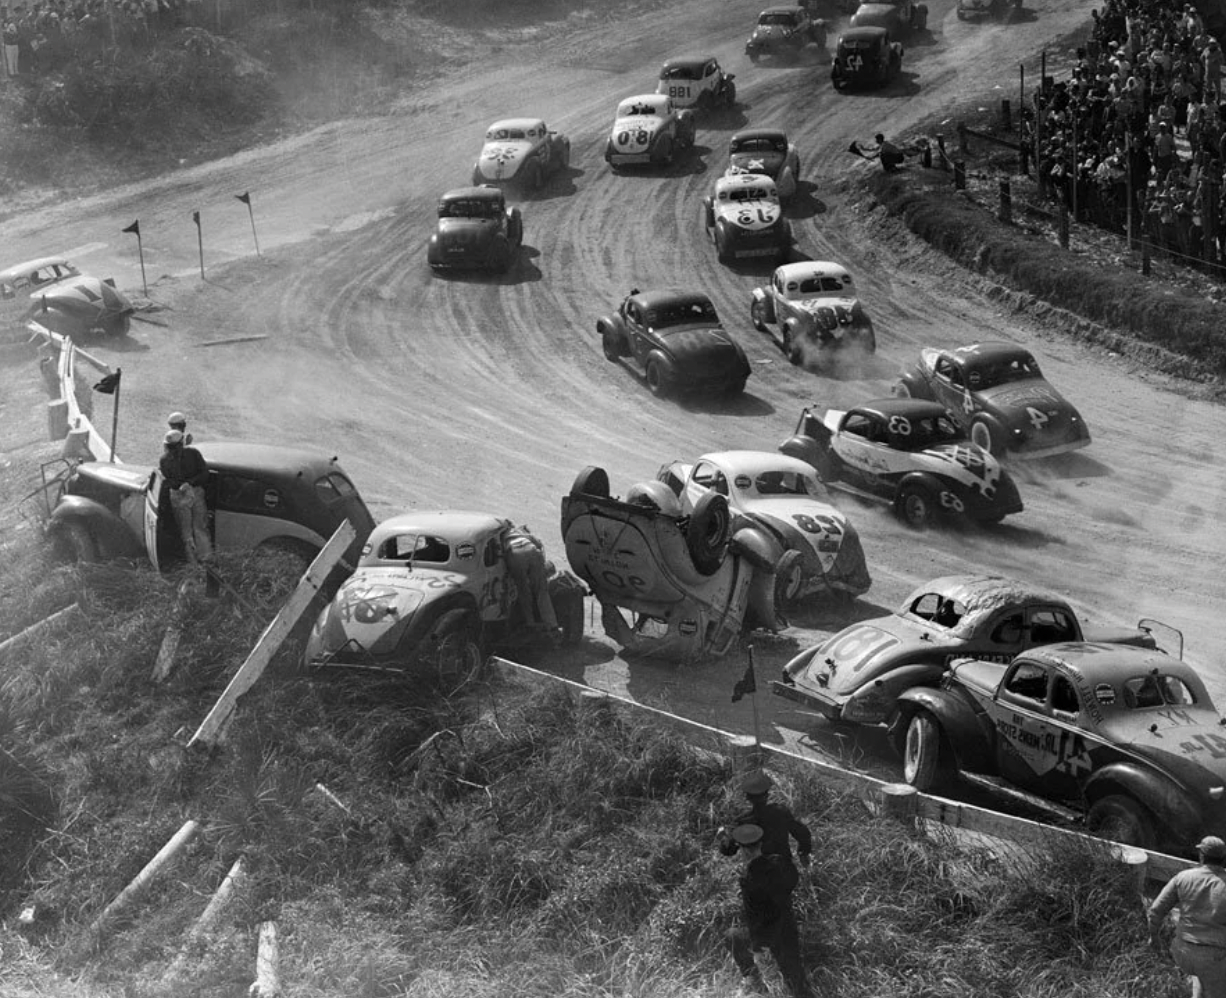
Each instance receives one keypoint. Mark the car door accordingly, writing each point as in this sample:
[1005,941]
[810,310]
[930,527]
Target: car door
[489,578]
[1022,727]
[862,454]
[636,333]
[949,386]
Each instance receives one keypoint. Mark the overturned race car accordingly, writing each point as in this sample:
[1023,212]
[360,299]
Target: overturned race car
[56,295]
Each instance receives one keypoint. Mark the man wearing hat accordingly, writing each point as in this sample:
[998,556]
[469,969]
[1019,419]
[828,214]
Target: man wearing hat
[766,905]
[1199,947]
[177,421]
[185,474]
[779,826]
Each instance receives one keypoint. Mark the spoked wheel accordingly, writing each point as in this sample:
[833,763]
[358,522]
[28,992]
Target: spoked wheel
[457,658]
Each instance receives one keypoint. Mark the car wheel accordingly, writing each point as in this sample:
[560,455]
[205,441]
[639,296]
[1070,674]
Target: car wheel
[981,434]
[116,325]
[915,507]
[74,543]
[868,342]
[1121,819]
[704,101]
[730,94]
[609,343]
[708,533]
[722,250]
[591,481]
[757,315]
[536,177]
[923,762]
[655,379]
[662,155]
[457,656]
[791,349]
[789,576]
[754,57]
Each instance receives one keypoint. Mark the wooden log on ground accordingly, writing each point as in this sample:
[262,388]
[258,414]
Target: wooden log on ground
[267,964]
[58,617]
[170,639]
[206,925]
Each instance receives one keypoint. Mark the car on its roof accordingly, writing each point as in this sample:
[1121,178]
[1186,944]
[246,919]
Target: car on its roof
[259,496]
[649,129]
[521,151]
[865,56]
[781,518]
[815,305]
[784,31]
[697,82]
[768,152]
[908,454]
[999,396]
[858,674]
[476,230]
[744,218]
[676,337]
[433,588]
[1128,738]
[55,294]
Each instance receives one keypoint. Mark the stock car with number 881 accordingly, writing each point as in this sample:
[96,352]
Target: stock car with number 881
[909,454]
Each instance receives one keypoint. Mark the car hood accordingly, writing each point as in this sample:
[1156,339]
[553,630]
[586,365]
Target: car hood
[751,215]
[694,342]
[771,33]
[875,15]
[860,653]
[967,464]
[82,292]
[766,163]
[467,231]
[974,4]
[122,477]
[502,159]
[376,605]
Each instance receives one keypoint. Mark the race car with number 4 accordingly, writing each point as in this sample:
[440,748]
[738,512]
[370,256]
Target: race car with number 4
[1000,397]
[744,218]
[648,129]
[908,454]
[858,674]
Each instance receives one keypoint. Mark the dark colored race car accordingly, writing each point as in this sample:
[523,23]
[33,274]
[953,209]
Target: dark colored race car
[1000,397]
[1128,738]
[784,32]
[858,674]
[865,56]
[898,17]
[697,82]
[766,151]
[987,10]
[909,454]
[476,230]
[678,340]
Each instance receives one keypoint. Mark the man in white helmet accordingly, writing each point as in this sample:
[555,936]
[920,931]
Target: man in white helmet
[178,421]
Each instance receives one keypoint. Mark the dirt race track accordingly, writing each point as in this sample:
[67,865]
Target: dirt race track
[491,393]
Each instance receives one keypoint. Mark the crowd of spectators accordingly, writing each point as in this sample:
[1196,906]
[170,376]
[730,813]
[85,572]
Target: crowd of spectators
[40,37]
[1142,114]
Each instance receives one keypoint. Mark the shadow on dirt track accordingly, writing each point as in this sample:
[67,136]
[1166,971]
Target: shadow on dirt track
[804,204]
[522,271]
[745,404]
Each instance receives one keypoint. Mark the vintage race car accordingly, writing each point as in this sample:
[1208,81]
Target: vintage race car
[908,454]
[999,396]
[780,516]
[784,32]
[1128,738]
[858,674]
[678,340]
[697,82]
[521,151]
[744,218]
[766,151]
[649,129]
[435,588]
[688,591]
[898,17]
[985,10]
[53,293]
[815,306]
[475,230]
[865,56]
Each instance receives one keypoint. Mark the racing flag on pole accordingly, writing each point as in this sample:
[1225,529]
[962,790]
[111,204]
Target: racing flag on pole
[110,384]
[245,197]
[746,684]
[134,228]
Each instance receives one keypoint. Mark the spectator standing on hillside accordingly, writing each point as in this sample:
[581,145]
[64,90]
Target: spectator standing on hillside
[766,906]
[11,36]
[1199,947]
[779,826]
[1211,59]
[186,474]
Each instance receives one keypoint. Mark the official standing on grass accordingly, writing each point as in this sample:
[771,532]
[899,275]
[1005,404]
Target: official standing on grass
[186,474]
[766,906]
[1199,947]
[779,826]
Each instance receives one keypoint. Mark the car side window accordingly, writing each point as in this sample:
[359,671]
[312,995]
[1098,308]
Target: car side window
[493,553]
[244,494]
[1029,681]
[946,369]
[1008,631]
[1049,626]
[1064,696]
[709,476]
[859,425]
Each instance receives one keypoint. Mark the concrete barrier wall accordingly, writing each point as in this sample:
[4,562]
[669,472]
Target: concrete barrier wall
[65,419]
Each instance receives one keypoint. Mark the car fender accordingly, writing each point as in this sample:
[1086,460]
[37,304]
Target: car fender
[614,325]
[1169,803]
[432,618]
[112,535]
[806,448]
[515,226]
[767,301]
[755,545]
[934,485]
[874,701]
[667,368]
[916,384]
[968,734]
[708,212]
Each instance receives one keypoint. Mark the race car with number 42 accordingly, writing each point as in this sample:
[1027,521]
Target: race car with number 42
[908,454]
[648,129]
[744,218]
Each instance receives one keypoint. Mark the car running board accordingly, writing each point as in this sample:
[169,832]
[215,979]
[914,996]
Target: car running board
[997,786]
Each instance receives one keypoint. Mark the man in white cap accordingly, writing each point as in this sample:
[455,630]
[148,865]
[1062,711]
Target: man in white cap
[186,473]
[178,421]
[1199,947]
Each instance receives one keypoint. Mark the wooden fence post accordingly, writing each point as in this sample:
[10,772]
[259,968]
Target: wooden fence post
[963,144]
[1006,202]
[746,753]
[1006,115]
[1136,860]
[959,175]
[267,964]
[1062,225]
[1146,264]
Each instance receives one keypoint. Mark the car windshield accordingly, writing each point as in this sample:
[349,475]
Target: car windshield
[470,208]
[631,108]
[1001,371]
[858,44]
[416,548]
[1156,690]
[784,17]
[938,610]
[746,194]
[759,144]
[681,73]
[784,483]
[680,313]
[820,285]
[927,431]
[505,134]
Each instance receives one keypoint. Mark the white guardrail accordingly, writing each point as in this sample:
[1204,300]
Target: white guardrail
[80,432]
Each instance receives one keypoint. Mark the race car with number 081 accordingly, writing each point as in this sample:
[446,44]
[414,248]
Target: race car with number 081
[648,129]
[744,218]
[521,151]
[698,83]
[999,396]
[766,151]
[908,454]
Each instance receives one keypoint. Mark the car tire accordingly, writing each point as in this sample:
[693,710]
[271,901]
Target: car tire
[757,315]
[983,434]
[116,325]
[729,95]
[708,533]
[915,506]
[655,379]
[1121,819]
[662,155]
[924,764]
[867,342]
[74,543]
[703,103]
[721,245]
[791,349]
[536,177]
[755,58]
[457,656]
[609,343]
[591,481]
[789,577]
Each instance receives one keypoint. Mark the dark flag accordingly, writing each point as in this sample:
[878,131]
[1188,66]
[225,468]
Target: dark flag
[134,228]
[196,218]
[746,684]
[110,384]
[245,197]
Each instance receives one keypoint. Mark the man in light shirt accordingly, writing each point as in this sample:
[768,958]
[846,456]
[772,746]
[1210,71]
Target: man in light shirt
[1199,947]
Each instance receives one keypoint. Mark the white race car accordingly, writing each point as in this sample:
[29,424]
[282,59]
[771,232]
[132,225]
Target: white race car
[781,519]
[521,151]
[745,218]
[53,293]
[697,82]
[649,128]
[814,303]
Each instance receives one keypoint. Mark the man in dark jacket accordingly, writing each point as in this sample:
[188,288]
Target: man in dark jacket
[779,826]
[185,473]
[766,906]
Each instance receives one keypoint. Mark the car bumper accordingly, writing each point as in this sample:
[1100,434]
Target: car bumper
[629,159]
[828,708]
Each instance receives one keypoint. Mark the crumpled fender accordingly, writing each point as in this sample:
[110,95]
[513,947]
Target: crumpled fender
[114,538]
[970,737]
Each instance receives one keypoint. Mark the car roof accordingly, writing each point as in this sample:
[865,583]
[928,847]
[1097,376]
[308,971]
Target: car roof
[912,408]
[450,524]
[267,458]
[869,32]
[730,181]
[486,192]
[656,100]
[524,123]
[1097,662]
[985,592]
[783,8]
[668,296]
[991,351]
[759,133]
[687,62]
[810,268]
[754,462]
[25,268]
